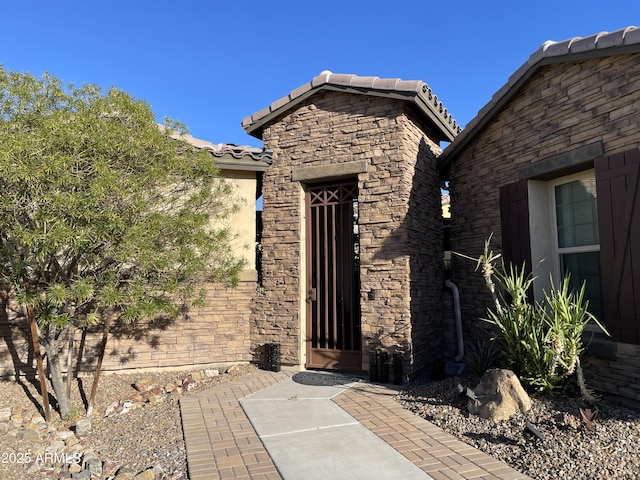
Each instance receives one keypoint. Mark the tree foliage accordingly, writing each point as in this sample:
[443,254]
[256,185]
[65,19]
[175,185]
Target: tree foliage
[102,211]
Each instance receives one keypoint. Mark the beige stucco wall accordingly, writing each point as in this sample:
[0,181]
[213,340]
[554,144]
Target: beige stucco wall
[244,222]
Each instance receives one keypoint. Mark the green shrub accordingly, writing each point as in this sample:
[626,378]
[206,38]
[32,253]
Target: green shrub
[481,355]
[541,342]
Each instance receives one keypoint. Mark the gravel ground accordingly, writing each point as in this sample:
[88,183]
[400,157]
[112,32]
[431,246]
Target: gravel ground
[149,435]
[570,450]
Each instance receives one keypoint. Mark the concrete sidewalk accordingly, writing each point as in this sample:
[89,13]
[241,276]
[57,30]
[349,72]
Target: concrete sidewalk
[266,426]
[309,436]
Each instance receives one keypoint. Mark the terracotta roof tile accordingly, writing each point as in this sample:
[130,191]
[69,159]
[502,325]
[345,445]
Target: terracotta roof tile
[414,90]
[600,44]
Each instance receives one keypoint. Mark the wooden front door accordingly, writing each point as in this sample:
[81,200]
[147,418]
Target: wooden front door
[333,277]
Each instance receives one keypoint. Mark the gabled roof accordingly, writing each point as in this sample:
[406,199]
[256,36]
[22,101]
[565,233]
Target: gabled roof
[234,157]
[603,44]
[414,91]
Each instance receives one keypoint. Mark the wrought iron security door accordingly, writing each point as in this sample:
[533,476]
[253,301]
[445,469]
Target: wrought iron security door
[333,277]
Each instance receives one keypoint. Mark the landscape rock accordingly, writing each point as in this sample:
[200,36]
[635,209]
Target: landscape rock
[125,473]
[55,447]
[5,414]
[65,435]
[110,467]
[189,384]
[82,474]
[145,384]
[92,462]
[28,435]
[149,438]
[146,475]
[499,396]
[212,372]
[72,441]
[83,426]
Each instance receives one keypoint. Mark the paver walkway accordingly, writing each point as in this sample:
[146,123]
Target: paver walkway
[221,442]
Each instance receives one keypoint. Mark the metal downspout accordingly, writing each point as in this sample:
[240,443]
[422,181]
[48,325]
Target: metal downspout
[456,307]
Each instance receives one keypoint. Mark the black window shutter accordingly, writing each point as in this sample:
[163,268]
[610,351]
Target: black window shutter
[514,220]
[619,225]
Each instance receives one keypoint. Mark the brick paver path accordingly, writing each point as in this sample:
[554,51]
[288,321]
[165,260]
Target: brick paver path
[438,453]
[222,444]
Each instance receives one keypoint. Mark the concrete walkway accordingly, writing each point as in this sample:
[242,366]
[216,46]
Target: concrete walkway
[266,426]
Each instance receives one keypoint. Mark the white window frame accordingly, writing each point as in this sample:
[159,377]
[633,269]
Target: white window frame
[543,227]
[557,250]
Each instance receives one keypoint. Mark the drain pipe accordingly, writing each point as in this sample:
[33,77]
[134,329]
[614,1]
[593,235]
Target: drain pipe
[456,306]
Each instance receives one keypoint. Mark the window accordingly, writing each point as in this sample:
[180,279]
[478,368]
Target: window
[576,241]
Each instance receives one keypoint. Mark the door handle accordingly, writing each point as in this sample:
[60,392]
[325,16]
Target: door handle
[312,295]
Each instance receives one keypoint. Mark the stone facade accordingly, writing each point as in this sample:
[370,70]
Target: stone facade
[215,334]
[560,109]
[399,222]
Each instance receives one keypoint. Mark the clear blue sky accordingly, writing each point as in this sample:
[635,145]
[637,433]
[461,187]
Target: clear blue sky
[210,63]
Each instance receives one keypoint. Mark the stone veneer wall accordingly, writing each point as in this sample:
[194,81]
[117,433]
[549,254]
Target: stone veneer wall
[399,215]
[562,108]
[215,334]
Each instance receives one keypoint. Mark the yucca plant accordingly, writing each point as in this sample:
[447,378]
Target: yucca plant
[566,316]
[541,342]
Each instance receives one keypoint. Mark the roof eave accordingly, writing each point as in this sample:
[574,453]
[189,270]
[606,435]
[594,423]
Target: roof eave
[247,163]
[550,53]
[426,102]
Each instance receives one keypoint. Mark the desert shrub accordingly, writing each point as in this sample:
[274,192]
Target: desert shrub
[481,355]
[541,342]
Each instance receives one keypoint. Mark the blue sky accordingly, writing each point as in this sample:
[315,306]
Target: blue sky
[211,63]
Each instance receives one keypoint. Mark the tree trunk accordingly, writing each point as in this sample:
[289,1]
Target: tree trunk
[36,351]
[70,361]
[96,375]
[55,372]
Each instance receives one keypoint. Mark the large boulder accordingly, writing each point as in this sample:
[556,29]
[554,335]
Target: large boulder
[499,395]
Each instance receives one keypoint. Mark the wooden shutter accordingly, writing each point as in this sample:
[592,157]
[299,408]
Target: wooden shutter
[514,220]
[619,225]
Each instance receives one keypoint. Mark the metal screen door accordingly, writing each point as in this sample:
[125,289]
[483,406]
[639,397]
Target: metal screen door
[333,277]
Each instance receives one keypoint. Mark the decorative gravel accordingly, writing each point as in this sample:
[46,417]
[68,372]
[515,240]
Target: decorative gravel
[148,436]
[570,450]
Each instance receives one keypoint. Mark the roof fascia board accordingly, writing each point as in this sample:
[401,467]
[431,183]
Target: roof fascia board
[255,129]
[229,162]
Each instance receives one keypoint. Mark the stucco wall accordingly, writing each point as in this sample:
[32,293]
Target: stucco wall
[399,205]
[562,108]
[244,222]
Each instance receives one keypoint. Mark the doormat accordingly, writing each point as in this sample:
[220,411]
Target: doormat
[326,379]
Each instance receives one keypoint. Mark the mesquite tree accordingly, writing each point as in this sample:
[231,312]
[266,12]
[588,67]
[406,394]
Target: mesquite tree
[104,216]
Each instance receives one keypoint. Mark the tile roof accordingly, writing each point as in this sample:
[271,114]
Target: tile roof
[619,42]
[234,157]
[414,91]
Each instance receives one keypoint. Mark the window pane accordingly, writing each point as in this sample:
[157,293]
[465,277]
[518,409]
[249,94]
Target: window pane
[585,268]
[576,213]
